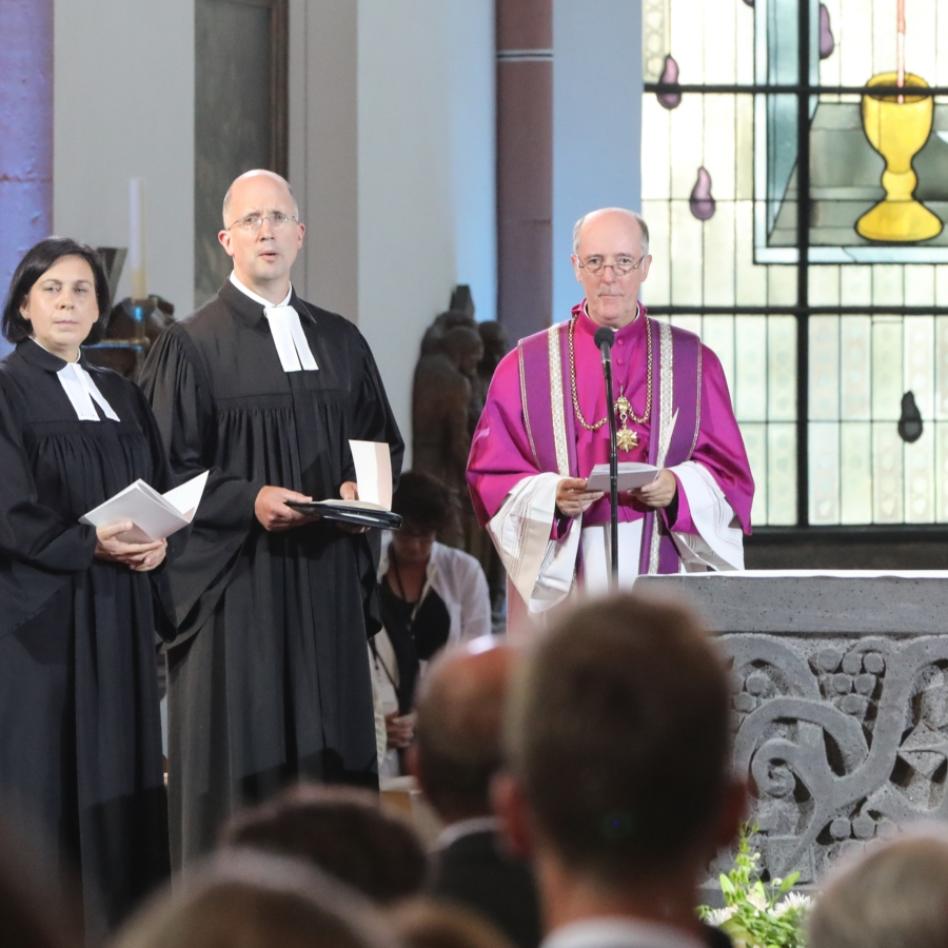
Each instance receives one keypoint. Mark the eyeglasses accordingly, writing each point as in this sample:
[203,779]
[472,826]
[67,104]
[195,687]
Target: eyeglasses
[254,221]
[622,264]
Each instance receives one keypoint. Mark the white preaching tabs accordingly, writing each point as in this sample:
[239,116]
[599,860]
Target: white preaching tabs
[82,392]
[291,344]
[289,339]
[155,516]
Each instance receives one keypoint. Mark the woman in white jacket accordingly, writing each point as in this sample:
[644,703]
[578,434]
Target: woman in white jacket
[431,595]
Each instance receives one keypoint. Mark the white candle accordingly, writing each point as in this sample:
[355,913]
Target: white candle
[136,238]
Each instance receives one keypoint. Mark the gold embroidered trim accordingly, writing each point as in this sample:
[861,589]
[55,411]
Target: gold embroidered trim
[556,400]
[525,410]
[665,411]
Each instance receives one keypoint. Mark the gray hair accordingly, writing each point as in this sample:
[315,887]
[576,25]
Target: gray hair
[578,226]
[258,172]
[894,895]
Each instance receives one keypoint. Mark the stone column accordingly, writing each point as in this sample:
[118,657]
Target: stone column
[26,129]
[524,164]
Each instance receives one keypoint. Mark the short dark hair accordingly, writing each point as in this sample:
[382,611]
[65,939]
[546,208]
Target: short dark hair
[423,501]
[342,831]
[459,727]
[619,734]
[38,259]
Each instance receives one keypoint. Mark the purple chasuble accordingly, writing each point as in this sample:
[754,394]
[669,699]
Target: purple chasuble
[528,404]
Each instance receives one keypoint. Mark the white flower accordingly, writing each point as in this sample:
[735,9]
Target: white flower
[717,917]
[795,901]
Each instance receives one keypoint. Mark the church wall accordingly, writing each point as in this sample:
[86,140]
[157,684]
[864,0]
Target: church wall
[123,108]
[597,121]
[392,136]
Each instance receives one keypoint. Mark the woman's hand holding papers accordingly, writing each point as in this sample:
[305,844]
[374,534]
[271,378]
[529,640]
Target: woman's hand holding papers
[140,557]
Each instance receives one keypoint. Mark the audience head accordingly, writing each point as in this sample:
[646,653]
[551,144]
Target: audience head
[893,895]
[618,742]
[458,730]
[29,916]
[343,831]
[252,900]
[426,923]
[66,267]
[425,505]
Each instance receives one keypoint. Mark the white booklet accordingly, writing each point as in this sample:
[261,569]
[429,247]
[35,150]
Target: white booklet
[632,474]
[155,516]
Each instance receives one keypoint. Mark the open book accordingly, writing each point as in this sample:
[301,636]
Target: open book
[155,516]
[632,474]
[373,465]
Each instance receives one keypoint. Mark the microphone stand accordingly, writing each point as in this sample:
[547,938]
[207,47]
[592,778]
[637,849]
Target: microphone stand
[604,338]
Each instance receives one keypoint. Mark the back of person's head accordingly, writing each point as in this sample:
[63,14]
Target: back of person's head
[459,726]
[893,895]
[341,830]
[252,900]
[31,916]
[426,923]
[618,740]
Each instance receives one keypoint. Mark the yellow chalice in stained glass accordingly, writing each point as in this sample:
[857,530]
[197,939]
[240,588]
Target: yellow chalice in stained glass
[898,131]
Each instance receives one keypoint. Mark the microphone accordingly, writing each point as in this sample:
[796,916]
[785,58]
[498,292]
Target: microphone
[604,338]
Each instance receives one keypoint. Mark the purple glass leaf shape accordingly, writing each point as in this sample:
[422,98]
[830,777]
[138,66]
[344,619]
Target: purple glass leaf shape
[702,202]
[827,40]
[669,76]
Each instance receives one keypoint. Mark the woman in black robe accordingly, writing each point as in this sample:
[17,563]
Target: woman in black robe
[80,757]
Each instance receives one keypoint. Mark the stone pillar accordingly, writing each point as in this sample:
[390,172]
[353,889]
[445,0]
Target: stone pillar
[524,164]
[26,129]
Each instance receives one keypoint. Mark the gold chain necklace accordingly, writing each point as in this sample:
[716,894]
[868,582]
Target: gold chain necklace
[626,438]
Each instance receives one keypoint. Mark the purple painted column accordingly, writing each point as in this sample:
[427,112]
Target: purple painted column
[26,130]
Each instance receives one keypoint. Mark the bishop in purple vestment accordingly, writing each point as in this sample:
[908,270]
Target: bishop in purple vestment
[545,426]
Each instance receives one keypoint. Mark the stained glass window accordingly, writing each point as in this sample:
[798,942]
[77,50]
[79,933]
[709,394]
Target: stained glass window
[833,328]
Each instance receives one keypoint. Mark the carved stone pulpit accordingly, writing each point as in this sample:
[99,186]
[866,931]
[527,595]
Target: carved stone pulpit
[840,696]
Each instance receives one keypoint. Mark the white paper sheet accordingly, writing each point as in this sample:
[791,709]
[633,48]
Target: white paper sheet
[373,464]
[632,474]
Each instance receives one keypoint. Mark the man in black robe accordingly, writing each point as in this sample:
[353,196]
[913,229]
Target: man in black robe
[267,678]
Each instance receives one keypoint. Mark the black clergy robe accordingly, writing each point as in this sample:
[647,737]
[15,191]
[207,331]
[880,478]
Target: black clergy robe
[268,680]
[80,741]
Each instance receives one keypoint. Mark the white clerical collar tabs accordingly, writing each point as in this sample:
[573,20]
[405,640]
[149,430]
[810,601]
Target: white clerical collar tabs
[82,391]
[291,343]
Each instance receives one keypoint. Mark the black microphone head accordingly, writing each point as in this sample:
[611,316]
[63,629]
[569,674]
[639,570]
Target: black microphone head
[604,337]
